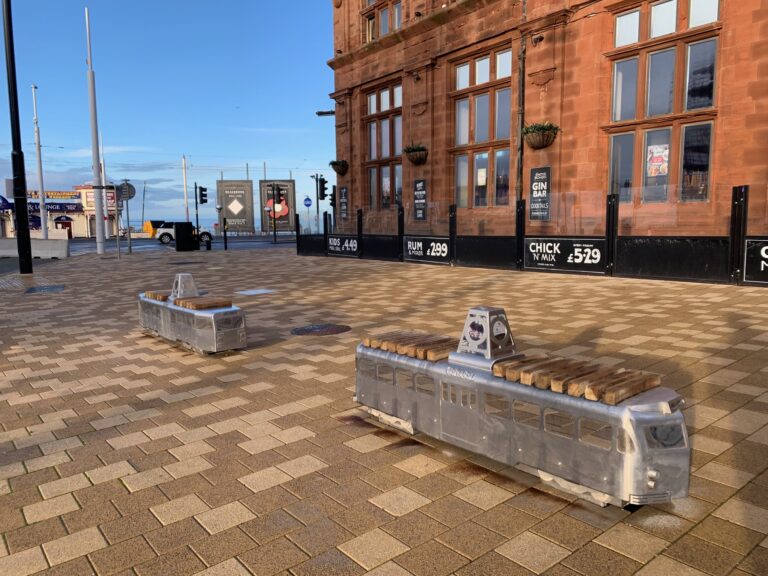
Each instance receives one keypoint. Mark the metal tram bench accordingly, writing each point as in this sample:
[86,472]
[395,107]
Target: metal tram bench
[608,435]
[205,324]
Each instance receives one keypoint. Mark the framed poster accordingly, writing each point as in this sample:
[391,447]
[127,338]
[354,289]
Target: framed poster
[539,196]
[419,199]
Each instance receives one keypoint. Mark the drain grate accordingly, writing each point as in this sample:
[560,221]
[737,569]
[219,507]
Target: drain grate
[45,289]
[185,263]
[320,330]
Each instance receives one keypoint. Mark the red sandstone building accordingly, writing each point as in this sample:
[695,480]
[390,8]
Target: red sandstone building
[662,109]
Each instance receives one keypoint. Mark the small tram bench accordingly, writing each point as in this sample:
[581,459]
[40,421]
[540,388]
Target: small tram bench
[205,324]
[605,434]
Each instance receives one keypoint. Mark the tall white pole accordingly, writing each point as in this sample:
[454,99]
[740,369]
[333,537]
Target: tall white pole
[103,193]
[98,207]
[40,187]
[184,170]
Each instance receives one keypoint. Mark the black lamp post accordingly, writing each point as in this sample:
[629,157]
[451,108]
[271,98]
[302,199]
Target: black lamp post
[23,241]
[223,224]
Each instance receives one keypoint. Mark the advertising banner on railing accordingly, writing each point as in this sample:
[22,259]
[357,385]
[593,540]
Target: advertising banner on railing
[343,245]
[427,249]
[566,254]
[756,261]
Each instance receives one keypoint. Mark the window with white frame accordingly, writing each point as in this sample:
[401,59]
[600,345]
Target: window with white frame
[380,18]
[665,118]
[482,126]
[383,121]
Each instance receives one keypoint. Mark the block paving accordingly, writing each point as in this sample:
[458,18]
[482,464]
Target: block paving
[124,454]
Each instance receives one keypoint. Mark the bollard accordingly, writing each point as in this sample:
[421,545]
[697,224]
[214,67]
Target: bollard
[208,244]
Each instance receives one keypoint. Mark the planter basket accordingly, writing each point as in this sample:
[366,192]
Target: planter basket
[538,140]
[417,157]
[340,167]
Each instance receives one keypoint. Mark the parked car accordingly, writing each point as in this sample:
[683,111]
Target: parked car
[165,234]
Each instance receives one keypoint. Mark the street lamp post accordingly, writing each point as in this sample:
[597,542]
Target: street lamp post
[23,241]
[41,188]
[223,224]
[98,181]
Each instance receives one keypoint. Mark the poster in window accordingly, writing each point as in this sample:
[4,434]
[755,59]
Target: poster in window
[540,193]
[657,160]
[344,203]
[482,176]
[419,199]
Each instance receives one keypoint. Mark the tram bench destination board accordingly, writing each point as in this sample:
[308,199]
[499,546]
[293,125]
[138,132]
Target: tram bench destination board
[205,324]
[606,434]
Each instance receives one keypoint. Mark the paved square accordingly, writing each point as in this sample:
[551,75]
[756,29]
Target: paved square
[123,454]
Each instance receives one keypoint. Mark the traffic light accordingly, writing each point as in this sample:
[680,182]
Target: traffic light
[332,198]
[322,188]
[203,194]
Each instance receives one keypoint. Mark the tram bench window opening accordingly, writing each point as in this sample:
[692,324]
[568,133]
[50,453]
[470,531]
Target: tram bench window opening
[425,384]
[367,368]
[527,414]
[625,443]
[559,423]
[385,374]
[596,433]
[404,379]
[497,405]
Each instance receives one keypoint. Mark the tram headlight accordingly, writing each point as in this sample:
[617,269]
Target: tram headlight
[653,477]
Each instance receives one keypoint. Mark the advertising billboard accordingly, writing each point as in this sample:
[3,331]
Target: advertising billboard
[236,200]
[284,217]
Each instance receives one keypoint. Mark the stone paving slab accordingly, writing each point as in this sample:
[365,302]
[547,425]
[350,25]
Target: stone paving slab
[124,454]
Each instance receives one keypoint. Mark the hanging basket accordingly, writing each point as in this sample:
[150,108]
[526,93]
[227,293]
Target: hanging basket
[340,167]
[417,157]
[538,140]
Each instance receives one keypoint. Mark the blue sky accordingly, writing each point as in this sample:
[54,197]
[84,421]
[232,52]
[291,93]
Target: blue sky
[225,82]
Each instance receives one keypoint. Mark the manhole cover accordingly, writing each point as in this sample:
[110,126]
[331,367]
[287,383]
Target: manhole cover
[320,330]
[255,292]
[44,289]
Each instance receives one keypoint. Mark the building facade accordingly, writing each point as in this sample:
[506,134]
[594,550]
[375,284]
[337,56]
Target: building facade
[660,109]
[71,211]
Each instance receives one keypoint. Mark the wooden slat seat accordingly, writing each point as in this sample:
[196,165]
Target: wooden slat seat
[577,378]
[159,295]
[203,302]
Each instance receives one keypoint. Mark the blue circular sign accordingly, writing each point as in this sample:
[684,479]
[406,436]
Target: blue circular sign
[307,201]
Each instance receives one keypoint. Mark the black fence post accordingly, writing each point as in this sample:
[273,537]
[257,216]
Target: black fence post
[739,205]
[611,232]
[520,233]
[325,233]
[452,232]
[297,224]
[359,232]
[400,231]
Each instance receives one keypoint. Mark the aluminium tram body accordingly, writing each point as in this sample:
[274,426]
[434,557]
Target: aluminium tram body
[636,452]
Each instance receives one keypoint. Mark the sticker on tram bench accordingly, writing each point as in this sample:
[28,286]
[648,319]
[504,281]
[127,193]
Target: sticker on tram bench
[566,254]
[427,249]
[343,245]
[756,261]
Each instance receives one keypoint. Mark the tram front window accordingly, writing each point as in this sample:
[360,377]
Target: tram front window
[663,436]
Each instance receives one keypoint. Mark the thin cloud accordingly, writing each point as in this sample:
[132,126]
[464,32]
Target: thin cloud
[87,152]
